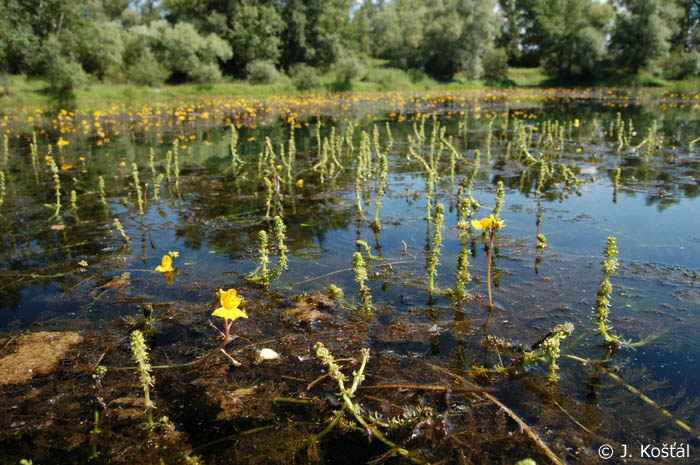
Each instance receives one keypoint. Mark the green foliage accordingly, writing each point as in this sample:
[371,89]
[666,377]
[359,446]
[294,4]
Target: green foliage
[64,74]
[439,36]
[389,78]
[99,46]
[262,72]
[570,42]
[348,67]
[495,64]
[643,31]
[180,49]
[145,70]
[680,65]
[305,77]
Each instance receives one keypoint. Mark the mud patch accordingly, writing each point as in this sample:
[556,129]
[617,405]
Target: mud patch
[37,353]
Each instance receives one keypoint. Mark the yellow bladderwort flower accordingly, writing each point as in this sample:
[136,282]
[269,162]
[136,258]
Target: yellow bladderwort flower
[166,264]
[300,183]
[229,306]
[62,143]
[486,223]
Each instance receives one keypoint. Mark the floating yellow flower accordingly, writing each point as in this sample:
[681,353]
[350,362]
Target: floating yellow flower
[166,264]
[229,305]
[300,183]
[61,143]
[66,167]
[576,123]
[486,223]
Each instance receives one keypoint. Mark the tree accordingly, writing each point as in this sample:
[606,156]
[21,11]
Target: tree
[643,31]
[316,31]
[571,44]
[252,28]
[509,37]
[458,33]
[399,33]
[180,49]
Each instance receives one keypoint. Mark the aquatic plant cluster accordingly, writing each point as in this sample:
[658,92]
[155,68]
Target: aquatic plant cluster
[259,212]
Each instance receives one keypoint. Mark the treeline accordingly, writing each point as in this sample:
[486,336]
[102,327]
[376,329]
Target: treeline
[155,41]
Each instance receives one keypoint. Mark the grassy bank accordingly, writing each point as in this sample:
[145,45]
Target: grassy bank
[32,91]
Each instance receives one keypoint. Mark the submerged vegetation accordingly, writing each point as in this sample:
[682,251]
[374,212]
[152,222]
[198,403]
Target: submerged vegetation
[454,235]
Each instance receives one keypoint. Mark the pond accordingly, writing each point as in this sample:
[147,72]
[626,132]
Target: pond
[485,346]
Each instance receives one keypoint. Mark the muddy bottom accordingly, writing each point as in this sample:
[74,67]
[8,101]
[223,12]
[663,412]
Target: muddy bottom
[57,409]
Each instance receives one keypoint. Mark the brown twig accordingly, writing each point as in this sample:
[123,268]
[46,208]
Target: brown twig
[529,432]
[423,387]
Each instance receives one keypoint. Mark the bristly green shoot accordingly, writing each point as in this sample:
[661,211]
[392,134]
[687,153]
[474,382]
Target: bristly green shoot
[156,187]
[2,188]
[435,247]
[368,249]
[137,184]
[601,311]
[140,356]
[236,160]
[360,268]
[463,217]
[280,234]
[168,162]
[119,227]
[56,184]
[176,163]
[547,349]
[264,277]
[152,163]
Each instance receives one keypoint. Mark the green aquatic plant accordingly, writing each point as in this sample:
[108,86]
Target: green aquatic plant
[2,188]
[263,276]
[360,268]
[176,164]
[548,348]
[119,227]
[473,204]
[280,234]
[137,185]
[435,247]
[383,170]
[97,378]
[34,150]
[74,205]
[463,216]
[152,163]
[101,192]
[168,162]
[5,150]
[139,353]
[236,160]
[368,249]
[56,185]
[156,187]
[346,394]
[601,311]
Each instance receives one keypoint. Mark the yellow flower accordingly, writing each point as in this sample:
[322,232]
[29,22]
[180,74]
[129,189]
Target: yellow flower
[66,167]
[576,122]
[166,264]
[229,306]
[174,254]
[62,143]
[300,183]
[486,223]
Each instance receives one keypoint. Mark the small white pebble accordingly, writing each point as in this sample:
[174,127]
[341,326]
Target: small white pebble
[267,354]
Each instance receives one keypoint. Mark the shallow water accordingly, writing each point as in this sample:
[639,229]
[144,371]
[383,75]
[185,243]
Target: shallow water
[213,220]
